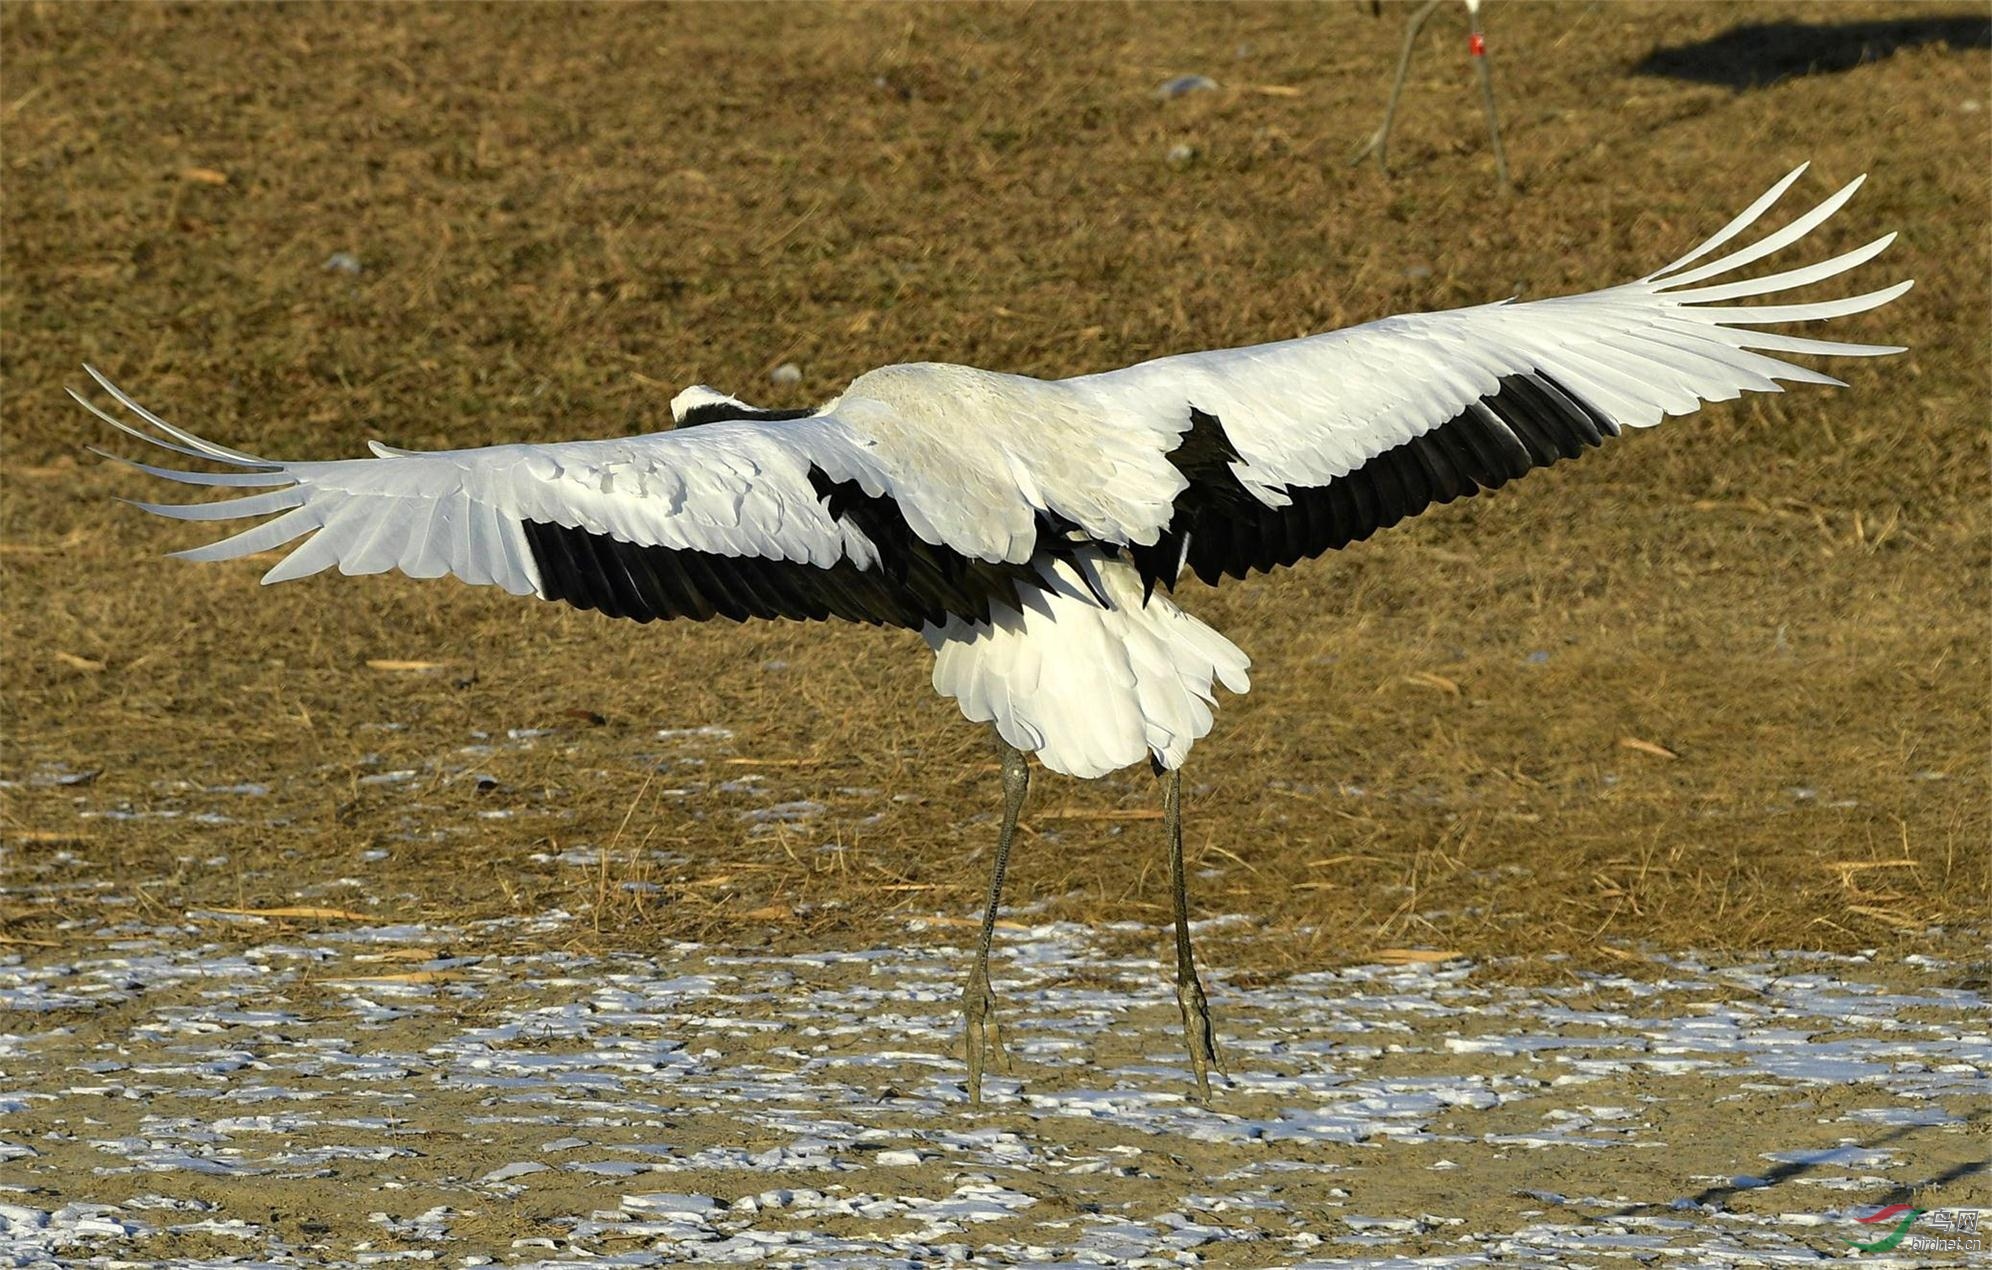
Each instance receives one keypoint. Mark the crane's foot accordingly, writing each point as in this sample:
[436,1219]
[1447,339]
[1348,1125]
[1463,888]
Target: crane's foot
[1198,1032]
[978,1009]
[1375,146]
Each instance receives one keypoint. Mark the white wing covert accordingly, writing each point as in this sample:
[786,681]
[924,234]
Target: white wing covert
[1303,446]
[732,518]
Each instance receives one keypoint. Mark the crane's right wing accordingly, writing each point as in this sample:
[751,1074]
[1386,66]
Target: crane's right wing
[1305,446]
[737,519]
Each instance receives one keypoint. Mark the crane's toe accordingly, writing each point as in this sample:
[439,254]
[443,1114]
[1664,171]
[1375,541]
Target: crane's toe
[1199,1033]
[981,1035]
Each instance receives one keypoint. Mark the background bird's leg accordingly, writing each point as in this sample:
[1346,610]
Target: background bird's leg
[1197,1028]
[1379,142]
[978,1003]
[1487,93]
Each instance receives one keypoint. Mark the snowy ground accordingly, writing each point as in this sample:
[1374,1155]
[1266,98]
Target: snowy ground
[357,1096]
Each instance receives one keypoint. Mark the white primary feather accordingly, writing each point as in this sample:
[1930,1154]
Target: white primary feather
[735,488]
[1306,411]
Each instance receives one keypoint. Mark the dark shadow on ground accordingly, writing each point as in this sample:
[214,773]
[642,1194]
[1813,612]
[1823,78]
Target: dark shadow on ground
[1806,1163]
[1762,54]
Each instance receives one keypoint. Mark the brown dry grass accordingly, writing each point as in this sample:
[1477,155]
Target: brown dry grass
[566,213]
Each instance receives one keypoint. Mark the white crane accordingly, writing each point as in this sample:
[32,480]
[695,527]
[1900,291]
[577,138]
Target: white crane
[1476,46]
[1022,526]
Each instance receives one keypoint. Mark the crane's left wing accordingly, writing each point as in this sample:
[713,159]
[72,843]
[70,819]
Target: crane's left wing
[736,518]
[1304,446]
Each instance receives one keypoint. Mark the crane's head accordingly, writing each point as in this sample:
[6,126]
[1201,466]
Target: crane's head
[701,404]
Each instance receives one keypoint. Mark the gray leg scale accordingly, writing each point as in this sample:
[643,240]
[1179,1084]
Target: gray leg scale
[1487,95]
[1197,1029]
[978,1003]
[1379,142]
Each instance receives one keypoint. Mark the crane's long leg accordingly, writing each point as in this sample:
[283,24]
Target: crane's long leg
[1379,142]
[1197,1029]
[978,1003]
[1487,93]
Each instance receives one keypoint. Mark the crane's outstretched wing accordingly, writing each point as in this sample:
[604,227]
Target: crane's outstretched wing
[736,518]
[1301,447]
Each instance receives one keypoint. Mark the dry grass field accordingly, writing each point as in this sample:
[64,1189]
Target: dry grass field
[565,214]
[1722,686]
